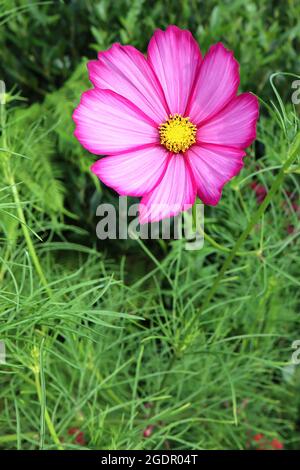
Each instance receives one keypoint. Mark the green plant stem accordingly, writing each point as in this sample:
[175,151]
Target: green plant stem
[4,262]
[110,392]
[14,437]
[295,147]
[243,205]
[20,212]
[27,236]
[213,242]
[224,249]
[47,416]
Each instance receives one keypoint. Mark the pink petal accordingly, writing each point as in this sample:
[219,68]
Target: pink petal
[175,57]
[234,125]
[217,83]
[212,167]
[175,192]
[125,70]
[133,173]
[107,123]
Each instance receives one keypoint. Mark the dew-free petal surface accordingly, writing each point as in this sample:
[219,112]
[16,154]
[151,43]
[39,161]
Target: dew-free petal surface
[216,84]
[212,167]
[175,192]
[107,123]
[175,57]
[234,125]
[133,173]
[126,71]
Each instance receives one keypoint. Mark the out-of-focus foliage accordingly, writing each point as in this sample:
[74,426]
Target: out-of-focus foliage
[42,42]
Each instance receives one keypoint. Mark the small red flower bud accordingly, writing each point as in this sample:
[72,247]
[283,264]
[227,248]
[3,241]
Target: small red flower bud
[79,436]
[73,431]
[148,431]
[79,439]
[260,191]
[276,444]
[290,229]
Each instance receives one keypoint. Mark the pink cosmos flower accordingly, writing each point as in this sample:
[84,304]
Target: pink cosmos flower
[171,124]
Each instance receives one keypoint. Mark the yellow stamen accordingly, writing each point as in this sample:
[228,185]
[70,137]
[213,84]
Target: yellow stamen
[177,133]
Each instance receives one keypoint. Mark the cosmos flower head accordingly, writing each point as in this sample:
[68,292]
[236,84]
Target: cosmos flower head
[170,125]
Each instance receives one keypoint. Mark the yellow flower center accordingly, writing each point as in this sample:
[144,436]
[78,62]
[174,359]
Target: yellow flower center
[177,133]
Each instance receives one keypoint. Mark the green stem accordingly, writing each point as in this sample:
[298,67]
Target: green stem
[194,215]
[14,437]
[224,249]
[47,416]
[109,392]
[243,205]
[4,262]
[26,233]
[235,250]
[215,244]
[254,219]
[11,181]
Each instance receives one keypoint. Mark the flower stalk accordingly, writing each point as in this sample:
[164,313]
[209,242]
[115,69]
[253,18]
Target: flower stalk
[292,155]
[21,216]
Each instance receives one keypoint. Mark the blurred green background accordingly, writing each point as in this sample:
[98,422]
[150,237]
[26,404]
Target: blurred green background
[112,345]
